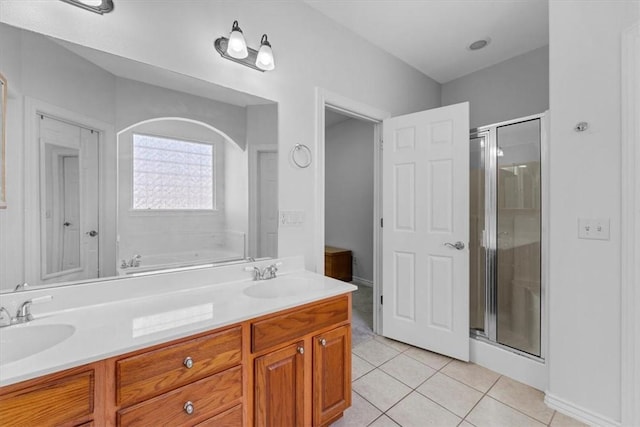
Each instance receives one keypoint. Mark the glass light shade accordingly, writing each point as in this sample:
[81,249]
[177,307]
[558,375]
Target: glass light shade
[237,46]
[264,60]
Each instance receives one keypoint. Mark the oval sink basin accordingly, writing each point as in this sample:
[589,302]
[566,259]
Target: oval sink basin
[20,341]
[285,287]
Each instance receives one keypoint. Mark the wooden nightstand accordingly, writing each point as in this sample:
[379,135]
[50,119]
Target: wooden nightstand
[337,263]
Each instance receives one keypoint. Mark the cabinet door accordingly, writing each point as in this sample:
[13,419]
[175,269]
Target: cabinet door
[279,387]
[331,375]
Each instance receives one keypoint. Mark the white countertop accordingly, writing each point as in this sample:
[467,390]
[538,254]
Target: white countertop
[157,313]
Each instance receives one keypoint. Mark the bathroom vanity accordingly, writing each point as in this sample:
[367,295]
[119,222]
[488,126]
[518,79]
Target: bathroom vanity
[286,363]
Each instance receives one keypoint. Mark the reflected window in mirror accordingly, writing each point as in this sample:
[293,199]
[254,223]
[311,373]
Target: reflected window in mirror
[172,174]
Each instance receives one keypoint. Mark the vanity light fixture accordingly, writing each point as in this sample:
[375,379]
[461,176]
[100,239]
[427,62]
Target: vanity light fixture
[97,6]
[235,49]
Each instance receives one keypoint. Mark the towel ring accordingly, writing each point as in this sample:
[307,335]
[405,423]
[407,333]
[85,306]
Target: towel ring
[297,148]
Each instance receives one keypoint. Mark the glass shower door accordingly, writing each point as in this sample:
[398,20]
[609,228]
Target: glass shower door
[505,234]
[518,236]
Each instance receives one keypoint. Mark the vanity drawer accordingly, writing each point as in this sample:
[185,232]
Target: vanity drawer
[50,403]
[207,396]
[294,324]
[155,372]
[229,418]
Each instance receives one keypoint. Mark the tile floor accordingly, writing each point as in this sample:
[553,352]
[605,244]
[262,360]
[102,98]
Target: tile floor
[395,384]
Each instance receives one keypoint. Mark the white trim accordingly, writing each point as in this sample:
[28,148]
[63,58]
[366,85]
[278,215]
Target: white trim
[254,150]
[325,98]
[630,227]
[528,371]
[579,413]
[106,142]
[361,281]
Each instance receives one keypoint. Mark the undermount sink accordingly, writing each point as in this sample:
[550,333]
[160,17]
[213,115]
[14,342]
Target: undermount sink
[20,341]
[285,287]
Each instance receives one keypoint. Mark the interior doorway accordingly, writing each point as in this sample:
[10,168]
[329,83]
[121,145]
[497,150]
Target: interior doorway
[349,206]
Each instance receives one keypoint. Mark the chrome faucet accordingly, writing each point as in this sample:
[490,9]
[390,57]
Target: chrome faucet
[24,312]
[133,262]
[269,272]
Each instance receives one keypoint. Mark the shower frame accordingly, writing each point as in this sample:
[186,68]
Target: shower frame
[490,235]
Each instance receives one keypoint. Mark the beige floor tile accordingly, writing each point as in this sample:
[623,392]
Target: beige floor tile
[491,413]
[562,420]
[384,421]
[417,411]
[523,398]
[453,395]
[471,374]
[408,370]
[396,345]
[359,367]
[361,413]
[435,360]
[380,389]
[375,352]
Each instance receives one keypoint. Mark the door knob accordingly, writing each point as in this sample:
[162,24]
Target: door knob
[66,223]
[92,233]
[457,245]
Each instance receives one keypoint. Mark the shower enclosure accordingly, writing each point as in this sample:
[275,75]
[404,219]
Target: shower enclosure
[505,234]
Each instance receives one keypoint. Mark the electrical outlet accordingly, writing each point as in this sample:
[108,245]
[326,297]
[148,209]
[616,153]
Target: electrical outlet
[593,228]
[291,218]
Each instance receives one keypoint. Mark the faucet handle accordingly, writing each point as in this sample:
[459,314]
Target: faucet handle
[5,317]
[22,287]
[24,311]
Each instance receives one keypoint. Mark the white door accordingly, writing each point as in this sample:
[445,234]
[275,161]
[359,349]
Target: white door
[267,204]
[425,166]
[68,201]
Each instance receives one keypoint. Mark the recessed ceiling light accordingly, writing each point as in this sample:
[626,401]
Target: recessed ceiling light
[479,44]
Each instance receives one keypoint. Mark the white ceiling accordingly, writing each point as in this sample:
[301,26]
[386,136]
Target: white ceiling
[433,35]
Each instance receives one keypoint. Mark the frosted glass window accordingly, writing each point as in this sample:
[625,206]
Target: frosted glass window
[170,174]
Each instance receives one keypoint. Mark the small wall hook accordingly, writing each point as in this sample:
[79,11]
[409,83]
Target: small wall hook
[581,127]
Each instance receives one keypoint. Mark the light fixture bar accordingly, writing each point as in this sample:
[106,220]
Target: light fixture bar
[105,7]
[250,61]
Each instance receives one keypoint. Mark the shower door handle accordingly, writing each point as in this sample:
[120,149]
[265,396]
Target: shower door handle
[457,245]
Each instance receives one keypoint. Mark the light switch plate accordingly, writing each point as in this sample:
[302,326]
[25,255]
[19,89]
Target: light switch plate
[593,228]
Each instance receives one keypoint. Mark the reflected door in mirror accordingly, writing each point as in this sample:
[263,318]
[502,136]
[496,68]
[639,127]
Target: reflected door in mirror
[69,201]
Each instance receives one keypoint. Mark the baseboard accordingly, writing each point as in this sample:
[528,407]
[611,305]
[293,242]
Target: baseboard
[579,413]
[363,282]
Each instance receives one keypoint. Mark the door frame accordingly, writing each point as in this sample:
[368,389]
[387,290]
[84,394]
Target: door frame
[254,152]
[362,111]
[31,155]
[630,226]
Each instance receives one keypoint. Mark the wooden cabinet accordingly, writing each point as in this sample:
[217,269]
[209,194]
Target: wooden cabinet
[279,387]
[331,375]
[65,399]
[291,368]
[181,384]
[337,263]
[306,381]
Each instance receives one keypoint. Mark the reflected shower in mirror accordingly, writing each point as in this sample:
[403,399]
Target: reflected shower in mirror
[129,168]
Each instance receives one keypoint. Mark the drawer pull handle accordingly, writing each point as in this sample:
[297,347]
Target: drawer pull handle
[323,342]
[301,350]
[188,408]
[188,363]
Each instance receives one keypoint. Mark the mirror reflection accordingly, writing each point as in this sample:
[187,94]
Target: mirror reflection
[132,169]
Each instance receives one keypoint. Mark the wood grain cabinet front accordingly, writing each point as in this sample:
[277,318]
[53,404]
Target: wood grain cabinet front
[308,381]
[155,372]
[331,375]
[189,404]
[51,401]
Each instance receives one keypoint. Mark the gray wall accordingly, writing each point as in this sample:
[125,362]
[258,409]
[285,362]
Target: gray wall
[349,149]
[514,88]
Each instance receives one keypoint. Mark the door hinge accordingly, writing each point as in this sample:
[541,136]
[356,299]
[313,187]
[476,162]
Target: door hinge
[381,144]
[380,299]
[381,222]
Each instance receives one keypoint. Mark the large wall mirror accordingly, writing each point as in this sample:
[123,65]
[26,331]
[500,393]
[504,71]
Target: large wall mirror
[130,169]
